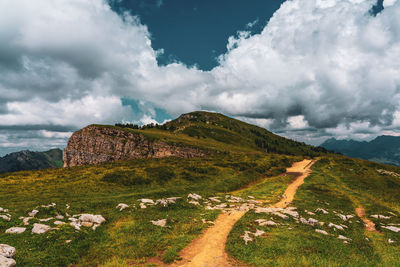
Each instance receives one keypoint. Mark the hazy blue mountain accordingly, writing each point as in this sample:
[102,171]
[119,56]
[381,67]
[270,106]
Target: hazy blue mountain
[384,149]
[29,160]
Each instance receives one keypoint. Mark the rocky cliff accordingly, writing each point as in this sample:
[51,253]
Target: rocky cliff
[97,144]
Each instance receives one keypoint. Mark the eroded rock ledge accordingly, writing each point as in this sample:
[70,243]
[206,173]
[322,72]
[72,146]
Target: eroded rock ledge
[97,144]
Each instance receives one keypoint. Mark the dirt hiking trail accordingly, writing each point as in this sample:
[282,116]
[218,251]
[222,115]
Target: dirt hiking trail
[208,250]
[369,225]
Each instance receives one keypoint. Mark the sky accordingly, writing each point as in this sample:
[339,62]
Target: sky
[305,69]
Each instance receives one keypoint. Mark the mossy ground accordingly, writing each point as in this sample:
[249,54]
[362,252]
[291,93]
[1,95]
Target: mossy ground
[127,237]
[336,184]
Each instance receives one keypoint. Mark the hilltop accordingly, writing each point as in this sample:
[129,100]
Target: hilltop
[29,160]
[195,134]
[383,149]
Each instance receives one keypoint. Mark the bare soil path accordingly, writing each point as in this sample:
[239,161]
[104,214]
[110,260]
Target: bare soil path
[208,250]
[369,225]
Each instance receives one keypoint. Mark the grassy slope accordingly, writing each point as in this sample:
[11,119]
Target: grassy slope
[345,184]
[128,236]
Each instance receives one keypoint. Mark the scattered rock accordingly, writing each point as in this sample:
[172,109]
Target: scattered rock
[309,212]
[258,232]
[7,262]
[194,196]
[46,220]
[15,230]
[310,221]
[3,210]
[39,228]
[59,217]
[68,241]
[390,241]
[122,206]
[67,206]
[49,205]
[319,210]
[97,219]
[251,197]
[344,238]
[5,217]
[147,201]
[33,213]
[246,237]
[376,216]
[215,199]
[166,201]
[392,228]
[321,231]
[87,224]
[264,222]
[7,251]
[339,227]
[345,217]
[59,223]
[161,222]
[194,202]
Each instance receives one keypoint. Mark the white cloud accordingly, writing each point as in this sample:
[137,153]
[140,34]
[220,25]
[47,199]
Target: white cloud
[321,64]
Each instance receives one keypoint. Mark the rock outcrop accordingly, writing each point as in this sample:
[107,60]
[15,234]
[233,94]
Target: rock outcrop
[97,144]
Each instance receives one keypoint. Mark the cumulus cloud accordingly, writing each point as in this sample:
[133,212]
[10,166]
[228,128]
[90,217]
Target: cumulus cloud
[319,67]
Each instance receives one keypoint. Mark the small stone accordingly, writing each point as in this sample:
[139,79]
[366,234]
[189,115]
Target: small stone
[15,230]
[321,231]
[161,222]
[194,202]
[264,222]
[68,241]
[87,224]
[246,237]
[343,237]
[98,219]
[319,210]
[122,206]
[7,251]
[33,213]
[215,199]
[330,225]
[392,228]
[46,220]
[5,217]
[7,262]
[59,223]
[142,206]
[40,228]
[59,217]
[194,196]
[377,216]
[147,201]
[258,232]
[390,241]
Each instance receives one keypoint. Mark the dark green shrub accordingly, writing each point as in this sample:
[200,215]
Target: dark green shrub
[125,178]
[161,174]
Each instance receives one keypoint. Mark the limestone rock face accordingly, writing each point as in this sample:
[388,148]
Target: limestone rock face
[97,144]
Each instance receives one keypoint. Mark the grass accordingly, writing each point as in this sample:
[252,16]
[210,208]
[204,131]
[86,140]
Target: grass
[127,237]
[336,184]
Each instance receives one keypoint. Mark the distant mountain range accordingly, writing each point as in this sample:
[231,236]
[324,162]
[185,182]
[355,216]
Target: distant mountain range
[29,160]
[383,149]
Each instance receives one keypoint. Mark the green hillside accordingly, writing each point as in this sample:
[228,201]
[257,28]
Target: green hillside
[240,167]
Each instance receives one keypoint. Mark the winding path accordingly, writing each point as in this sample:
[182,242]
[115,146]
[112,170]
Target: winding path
[208,250]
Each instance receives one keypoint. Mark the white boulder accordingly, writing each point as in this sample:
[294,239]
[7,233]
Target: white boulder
[33,213]
[194,196]
[5,217]
[7,262]
[161,222]
[122,206]
[15,230]
[7,251]
[39,228]
[147,201]
[321,231]
[392,228]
